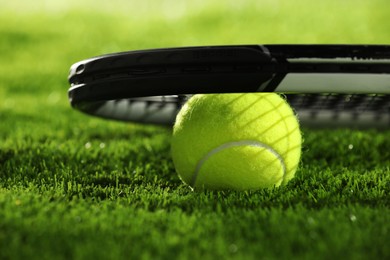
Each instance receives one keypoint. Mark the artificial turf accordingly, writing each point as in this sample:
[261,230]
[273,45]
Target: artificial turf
[77,187]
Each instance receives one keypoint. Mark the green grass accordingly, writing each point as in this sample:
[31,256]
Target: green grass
[76,187]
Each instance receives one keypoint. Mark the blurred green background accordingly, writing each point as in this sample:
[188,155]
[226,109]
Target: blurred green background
[41,39]
[73,186]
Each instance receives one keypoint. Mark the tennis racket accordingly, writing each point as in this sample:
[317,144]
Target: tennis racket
[327,85]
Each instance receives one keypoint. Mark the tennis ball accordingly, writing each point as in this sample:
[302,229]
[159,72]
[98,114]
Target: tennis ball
[236,141]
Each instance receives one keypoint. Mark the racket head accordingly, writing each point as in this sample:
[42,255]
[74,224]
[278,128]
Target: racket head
[150,86]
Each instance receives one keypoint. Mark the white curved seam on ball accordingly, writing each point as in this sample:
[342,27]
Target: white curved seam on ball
[235,144]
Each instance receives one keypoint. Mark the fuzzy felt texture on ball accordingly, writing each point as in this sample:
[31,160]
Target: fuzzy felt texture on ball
[236,141]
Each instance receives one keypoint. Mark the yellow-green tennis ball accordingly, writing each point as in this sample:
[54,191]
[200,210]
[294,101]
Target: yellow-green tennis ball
[236,141]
